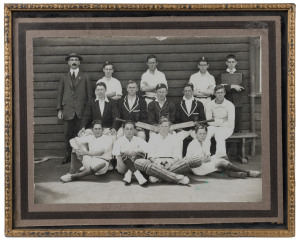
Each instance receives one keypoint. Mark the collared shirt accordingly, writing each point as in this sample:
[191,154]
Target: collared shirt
[131,102]
[123,144]
[160,105]
[94,144]
[102,104]
[196,148]
[231,71]
[164,147]
[224,113]
[112,85]
[152,80]
[76,71]
[188,104]
[202,82]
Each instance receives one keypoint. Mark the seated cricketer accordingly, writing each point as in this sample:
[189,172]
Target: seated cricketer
[161,106]
[165,162]
[101,108]
[127,149]
[188,109]
[95,158]
[210,164]
[222,111]
[133,108]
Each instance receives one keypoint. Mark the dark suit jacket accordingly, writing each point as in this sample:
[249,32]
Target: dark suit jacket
[138,111]
[232,95]
[92,113]
[155,112]
[197,112]
[73,99]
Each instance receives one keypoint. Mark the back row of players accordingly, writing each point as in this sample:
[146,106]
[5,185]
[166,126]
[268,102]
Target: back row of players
[78,109]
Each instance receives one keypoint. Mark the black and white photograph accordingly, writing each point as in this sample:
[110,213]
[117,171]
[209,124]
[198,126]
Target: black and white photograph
[147,119]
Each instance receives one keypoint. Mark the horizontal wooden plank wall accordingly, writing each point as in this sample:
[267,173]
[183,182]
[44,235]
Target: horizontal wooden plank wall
[178,59]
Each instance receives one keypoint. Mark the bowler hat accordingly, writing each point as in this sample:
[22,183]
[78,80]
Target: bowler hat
[73,55]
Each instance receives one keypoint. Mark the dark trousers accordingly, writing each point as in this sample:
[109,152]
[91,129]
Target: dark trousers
[71,131]
[238,119]
[237,129]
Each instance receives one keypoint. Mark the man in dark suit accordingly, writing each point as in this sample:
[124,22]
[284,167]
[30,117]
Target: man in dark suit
[74,91]
[188,109]
[133,108]
[103,109]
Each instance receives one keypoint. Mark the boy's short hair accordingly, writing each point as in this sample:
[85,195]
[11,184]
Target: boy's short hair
[129,122]
[101,84]
[189,85]
[219,87]
[161,86]
[108,63]
[152,56]
[231,56]
[96,122]
[203,59]
[163,120]
[200,126]
[131,82]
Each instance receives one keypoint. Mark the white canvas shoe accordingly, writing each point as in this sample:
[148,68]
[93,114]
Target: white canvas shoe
[140,178]
[128,176]
[153,179]
[66,178]
[254,173]
[183,179]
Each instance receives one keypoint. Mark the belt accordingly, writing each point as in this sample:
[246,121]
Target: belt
[203,97]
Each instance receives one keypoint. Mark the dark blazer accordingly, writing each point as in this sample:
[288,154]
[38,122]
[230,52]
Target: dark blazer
[155,112]
[92,112]
[197,112]
[232,95]
[73,99]
[138,111]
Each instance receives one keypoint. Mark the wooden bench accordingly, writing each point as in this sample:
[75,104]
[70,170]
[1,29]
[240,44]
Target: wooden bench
[242,137]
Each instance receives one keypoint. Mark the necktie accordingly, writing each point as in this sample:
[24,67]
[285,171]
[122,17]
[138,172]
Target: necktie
[73,78]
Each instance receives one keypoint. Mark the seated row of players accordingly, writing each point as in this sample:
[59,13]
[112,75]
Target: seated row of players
[75,89]
[131,107]
[163,162]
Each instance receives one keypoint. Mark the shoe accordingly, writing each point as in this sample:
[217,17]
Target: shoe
[113,163]
[127,177]
[241,175]
[66,178]
[254,173]
[183,179]
[140,178]
[153,179]
[65,160]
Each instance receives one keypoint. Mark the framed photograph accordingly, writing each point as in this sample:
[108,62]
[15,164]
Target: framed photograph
[246,49]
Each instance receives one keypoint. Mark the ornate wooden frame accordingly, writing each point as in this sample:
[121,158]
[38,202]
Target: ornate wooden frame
[9,144]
